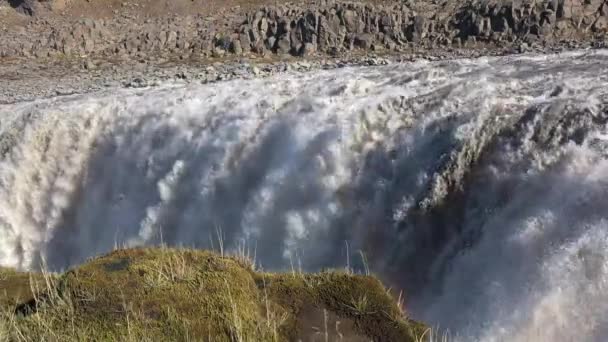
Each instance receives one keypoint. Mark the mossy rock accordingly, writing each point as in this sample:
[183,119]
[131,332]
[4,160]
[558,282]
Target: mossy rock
[192,295]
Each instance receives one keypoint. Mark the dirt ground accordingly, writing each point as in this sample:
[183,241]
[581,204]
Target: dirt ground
[104,9]
[154,8]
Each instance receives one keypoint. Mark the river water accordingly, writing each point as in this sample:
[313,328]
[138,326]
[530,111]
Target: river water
[478,186]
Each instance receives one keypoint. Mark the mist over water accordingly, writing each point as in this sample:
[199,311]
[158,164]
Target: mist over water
[478,186]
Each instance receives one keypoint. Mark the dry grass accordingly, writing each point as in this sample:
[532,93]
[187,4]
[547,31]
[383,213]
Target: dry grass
[188,295]
[434,335]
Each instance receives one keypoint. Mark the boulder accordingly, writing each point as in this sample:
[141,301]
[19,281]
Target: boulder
[600,24]
[245,41]
[236,47]
[284,44]
[27,7]
[308,49]
[364,41]
[351,21]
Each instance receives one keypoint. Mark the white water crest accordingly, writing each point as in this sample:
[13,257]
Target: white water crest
[480,186]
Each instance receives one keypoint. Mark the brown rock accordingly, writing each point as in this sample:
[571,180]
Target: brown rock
[601,24]
[364,41]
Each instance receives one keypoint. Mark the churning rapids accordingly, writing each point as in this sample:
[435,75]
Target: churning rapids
[480,187]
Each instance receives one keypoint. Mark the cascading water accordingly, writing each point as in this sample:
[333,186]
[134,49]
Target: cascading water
[478,186]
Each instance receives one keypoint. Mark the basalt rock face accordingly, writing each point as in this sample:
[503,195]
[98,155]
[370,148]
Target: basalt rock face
[545,21]
[326,28]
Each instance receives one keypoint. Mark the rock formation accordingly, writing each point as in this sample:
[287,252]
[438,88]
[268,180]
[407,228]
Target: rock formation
[325,28]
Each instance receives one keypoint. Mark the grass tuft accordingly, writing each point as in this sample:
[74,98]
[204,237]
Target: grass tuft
[158,294]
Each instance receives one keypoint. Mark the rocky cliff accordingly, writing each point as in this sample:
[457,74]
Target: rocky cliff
[324,27]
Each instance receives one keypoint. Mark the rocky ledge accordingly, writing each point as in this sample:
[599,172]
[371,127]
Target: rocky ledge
[52,53]
[324,27]
[39,79]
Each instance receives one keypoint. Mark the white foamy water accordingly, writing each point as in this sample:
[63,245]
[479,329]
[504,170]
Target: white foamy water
[478,186]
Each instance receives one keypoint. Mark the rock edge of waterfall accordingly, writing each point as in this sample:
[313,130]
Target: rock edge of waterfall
[61,47]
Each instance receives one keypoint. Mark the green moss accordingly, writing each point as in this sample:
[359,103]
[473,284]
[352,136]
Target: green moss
[169,294]
[361,299]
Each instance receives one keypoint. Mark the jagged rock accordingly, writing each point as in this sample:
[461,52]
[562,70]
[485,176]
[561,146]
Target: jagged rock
[284,27]
[88,64]
[88,44]
[309,49]
[326,27]
[296,42]
[259,47]
[418,31]
[224,42]
[236,47]
[245,40]
[270,42]
[364,41]
[171,39]
[601,24]
[263,27]
[604,9]
[284,44]
[218,52]
[28,7]
[351,21]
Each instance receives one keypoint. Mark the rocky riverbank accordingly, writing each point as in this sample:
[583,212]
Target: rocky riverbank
[38,79]
[60,47]
[317,28]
